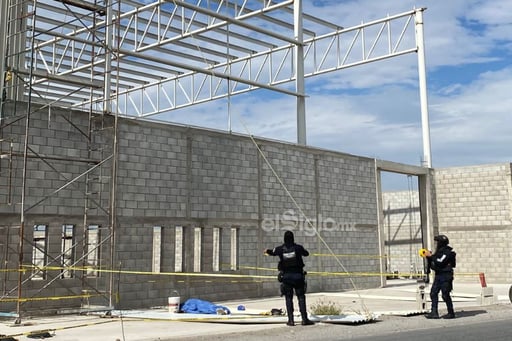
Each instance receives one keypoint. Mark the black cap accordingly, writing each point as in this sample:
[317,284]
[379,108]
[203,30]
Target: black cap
[442,239]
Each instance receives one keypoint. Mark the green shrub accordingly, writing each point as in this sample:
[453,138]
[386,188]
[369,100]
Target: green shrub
[325,308]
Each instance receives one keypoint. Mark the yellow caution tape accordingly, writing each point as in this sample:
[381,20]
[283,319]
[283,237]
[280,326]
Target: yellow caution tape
[133,272]
[215,275]
[351,255]
[49,298]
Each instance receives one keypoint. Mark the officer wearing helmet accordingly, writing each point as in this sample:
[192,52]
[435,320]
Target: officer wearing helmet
[292,275]
[442,261]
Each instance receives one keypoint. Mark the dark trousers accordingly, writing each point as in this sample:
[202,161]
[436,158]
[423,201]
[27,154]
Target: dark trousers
[294,282]
[443,282]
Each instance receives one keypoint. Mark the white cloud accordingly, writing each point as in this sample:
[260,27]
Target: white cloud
[480,113]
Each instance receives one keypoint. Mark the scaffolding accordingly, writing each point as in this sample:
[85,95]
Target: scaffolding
[141,60]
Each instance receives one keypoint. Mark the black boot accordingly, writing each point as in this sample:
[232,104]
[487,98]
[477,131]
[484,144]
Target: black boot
[290,322]
[433,307]
[303,312]
[289,310]
[449,306]
[451,313]
[432,315]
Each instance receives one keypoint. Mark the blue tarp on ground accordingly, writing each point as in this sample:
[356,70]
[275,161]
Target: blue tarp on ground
[197,306]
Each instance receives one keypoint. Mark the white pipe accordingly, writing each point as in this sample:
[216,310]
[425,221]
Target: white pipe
[427,159]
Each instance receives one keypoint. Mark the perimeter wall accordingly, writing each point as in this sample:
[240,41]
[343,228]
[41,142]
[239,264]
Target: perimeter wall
[473,207]
[195,208]
[190,205]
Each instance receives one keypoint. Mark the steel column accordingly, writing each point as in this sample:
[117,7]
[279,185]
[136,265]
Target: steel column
[107,104]
[299,73]
[427,159]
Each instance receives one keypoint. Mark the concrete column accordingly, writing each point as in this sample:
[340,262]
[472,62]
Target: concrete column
[425,196]
[380,227]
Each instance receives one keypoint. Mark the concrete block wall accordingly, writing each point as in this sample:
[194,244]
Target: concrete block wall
[347,222]
[172,176]
[402,231]
[50,136]
[57,154]
[337,199]
[473,207]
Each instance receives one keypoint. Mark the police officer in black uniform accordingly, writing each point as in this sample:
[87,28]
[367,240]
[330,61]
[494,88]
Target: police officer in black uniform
[292,275]
[443,261]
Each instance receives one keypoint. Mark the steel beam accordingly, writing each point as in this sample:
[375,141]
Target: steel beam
[84,5]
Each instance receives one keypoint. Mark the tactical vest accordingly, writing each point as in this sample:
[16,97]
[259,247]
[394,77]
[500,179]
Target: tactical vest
[291,261]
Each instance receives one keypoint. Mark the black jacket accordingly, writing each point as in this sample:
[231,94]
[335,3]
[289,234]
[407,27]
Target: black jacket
[443,260]
[290,257]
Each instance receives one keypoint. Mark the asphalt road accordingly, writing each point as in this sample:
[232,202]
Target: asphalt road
[500,330]
[491,323]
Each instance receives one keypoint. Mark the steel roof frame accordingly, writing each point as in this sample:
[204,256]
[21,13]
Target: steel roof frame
[197,50]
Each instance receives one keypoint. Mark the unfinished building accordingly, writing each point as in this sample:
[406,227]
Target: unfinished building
[103,206]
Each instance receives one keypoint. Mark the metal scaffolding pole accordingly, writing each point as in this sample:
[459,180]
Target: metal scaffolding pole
[24,177]
[18,14]
[109,50]
[4,19]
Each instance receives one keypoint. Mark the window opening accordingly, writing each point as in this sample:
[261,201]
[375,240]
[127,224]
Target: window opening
[39,252]
[178,249]
[93,251]
[157,249]
[67,250]
[234,248]
[216,249]
[197,249]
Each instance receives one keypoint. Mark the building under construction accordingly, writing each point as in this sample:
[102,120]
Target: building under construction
[102,205]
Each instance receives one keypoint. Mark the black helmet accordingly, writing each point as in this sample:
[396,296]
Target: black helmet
[442,239]
[288,238]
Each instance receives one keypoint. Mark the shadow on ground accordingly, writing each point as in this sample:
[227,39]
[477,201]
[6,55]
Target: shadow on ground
[468,313]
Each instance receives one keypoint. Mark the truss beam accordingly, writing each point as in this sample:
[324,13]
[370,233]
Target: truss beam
[323,54]
[84,5]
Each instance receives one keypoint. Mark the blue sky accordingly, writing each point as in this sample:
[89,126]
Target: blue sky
[469,65]
[373,110]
